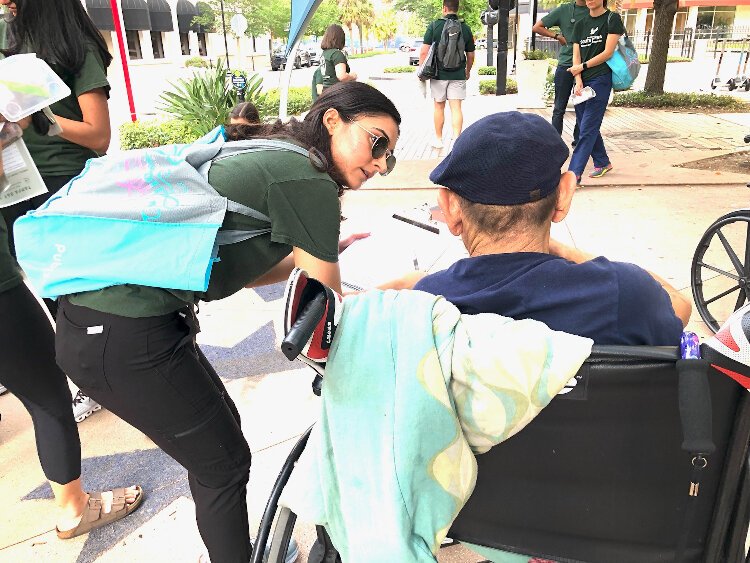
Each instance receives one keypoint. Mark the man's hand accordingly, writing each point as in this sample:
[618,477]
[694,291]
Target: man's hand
[22,123]
[575,70]
[579,86]
[562,40]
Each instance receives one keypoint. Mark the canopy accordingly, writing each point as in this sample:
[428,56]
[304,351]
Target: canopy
[160,15]
[100,13]
[302,11]
[135,15]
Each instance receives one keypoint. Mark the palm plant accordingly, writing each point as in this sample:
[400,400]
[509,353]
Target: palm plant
[204,101]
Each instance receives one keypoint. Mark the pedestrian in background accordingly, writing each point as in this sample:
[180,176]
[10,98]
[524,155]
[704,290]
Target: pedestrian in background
[595,38]
[450,82]
[564,17]
[334,66]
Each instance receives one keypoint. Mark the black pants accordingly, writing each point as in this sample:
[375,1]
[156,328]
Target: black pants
[13,212]
[564,82]
[29,371]
[150,373]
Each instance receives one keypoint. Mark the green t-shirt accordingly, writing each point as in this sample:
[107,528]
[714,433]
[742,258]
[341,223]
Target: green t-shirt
[591,35]
[564,17]
[304,209]
[316,79]
[54,156]
[10,274]
[433,34]
[331,58]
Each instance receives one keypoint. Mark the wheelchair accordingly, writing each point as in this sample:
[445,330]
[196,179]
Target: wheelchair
[720,271]
[632,465]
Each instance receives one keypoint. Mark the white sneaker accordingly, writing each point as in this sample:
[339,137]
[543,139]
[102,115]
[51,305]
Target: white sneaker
[437,143]
[84,406]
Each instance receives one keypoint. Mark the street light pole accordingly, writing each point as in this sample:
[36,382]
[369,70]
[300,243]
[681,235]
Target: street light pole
[224,29]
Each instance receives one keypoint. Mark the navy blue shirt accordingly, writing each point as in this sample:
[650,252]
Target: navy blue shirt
[609,302]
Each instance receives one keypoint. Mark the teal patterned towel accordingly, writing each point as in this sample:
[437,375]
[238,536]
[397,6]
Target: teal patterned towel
[413,389]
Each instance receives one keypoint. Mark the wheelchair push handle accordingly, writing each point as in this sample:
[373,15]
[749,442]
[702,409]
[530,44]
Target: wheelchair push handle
[302,329]
[694,398]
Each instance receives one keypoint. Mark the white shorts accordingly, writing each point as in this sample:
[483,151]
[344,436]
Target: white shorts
[448,90]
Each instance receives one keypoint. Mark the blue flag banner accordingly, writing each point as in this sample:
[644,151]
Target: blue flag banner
[302,11]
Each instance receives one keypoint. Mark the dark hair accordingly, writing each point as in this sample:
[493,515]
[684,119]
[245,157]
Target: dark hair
[501,220]
[246,111]
[58,31]
[451,5]
[350,99]
[333,38]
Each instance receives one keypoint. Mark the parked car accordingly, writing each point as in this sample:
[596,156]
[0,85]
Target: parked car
[481,43]
[278,58]
[414,49]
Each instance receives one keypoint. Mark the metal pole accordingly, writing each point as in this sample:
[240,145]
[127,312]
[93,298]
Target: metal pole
[515,39]
[533,21]
[502,52]
[123,57]
[490,43]
[224,29]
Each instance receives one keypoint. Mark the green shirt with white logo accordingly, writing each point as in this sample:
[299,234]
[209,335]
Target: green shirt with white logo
[10,274]
[565,17]
[304,209]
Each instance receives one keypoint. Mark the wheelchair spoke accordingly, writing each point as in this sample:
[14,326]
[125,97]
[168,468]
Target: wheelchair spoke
[724,294]
[740,300]
[717,270]
[732,255]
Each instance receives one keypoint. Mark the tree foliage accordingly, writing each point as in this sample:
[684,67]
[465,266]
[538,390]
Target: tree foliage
[327,13]
[206,16]
[385,26]
[428,10]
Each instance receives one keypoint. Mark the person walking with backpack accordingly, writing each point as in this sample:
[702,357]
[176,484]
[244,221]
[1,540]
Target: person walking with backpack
[133,347]
[334,67]
[564,17]
[595,38]
[454,52]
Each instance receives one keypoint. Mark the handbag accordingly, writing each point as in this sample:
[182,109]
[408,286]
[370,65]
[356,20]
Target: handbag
[624,62]
[428,69]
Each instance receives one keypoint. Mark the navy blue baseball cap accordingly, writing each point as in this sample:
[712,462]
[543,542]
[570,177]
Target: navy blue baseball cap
[505,158]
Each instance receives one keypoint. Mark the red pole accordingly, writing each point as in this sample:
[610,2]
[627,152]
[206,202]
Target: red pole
[123,57]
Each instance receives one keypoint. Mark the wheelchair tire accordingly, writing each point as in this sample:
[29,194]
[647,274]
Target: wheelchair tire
[701,271]
[282,533]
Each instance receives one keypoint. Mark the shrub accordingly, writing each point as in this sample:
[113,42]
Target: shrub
[367,54]
[676,100]
[643,59]
[196,61]
[205,100]
[299,101]
[489,87]
[145,134]
[399,69]
[537,55]
[487,71]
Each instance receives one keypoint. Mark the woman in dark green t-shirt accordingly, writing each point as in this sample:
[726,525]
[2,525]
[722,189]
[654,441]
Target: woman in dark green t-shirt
[61,33]
[133,349]
[27,352]
[334,66]
[595,37]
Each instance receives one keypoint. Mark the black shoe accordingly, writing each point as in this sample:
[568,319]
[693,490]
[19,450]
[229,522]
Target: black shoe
[574,143]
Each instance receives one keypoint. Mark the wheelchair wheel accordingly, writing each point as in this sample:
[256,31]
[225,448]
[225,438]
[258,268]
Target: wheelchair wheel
[282,533]
[720,272]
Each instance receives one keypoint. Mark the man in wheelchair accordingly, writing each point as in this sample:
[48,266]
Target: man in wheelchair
[503,190]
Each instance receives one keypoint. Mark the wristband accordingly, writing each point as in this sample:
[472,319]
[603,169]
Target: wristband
[585,66]
[556,36]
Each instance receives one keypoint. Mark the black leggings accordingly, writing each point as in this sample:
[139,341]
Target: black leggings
[149,372]
[29,371]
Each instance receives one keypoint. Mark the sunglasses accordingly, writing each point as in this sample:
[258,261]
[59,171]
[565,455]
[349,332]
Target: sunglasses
[380,149]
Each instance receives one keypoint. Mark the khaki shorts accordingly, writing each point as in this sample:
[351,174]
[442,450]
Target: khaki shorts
[448,90]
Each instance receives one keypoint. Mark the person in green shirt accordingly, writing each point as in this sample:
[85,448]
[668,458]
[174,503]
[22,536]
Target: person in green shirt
[133,348]
[449,84]
[563,18]
[334,67]
[595,38]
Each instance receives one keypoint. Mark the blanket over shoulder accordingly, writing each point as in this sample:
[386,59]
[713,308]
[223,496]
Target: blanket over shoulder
[412,390]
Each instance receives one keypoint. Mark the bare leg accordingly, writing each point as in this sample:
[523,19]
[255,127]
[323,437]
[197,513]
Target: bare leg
[457,117]
[71,500]
[439,118]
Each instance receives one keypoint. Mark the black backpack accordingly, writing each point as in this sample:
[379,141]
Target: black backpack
[451,48]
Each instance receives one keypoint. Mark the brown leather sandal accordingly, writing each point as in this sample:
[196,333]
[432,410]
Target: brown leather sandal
[94,517]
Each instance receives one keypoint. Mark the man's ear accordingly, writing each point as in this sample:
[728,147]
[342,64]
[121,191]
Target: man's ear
[565,190]
[331,120]
[451,208]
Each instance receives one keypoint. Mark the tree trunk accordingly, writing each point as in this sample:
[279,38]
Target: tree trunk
[361,42]
[664,11]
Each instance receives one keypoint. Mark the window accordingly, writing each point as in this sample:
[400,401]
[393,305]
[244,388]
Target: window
[157,44]
[715,17]
[185,43]
[628,19]
[680,18]
[134,44]
[202,50]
